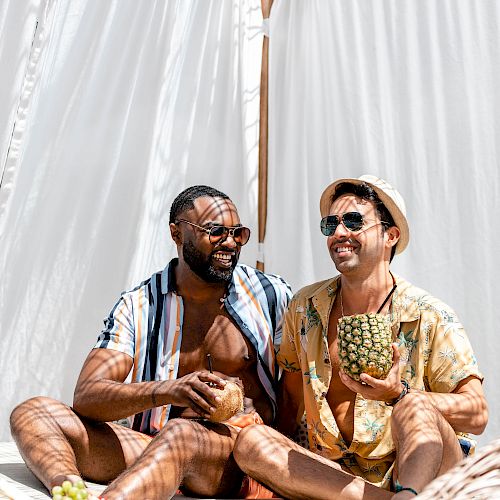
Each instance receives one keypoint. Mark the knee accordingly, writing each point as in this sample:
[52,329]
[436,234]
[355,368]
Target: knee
[179,437]
[413,413]
[29,412]
[252,447]
[413,405]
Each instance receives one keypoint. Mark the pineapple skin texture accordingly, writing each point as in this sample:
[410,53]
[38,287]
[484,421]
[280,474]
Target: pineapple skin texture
[364,345]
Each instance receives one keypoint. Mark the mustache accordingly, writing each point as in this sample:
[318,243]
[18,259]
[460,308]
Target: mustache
[231,251]
[343,240]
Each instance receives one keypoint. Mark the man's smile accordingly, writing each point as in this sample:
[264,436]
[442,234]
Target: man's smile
[225,259]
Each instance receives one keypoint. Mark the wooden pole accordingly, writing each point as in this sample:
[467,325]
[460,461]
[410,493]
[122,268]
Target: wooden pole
[263,138]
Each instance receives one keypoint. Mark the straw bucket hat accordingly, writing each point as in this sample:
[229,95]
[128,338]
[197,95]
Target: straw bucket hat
[389,196]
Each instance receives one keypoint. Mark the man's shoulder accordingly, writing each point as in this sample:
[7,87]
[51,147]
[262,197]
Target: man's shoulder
[252,274]
[328,286]
[154,281]
[417,301]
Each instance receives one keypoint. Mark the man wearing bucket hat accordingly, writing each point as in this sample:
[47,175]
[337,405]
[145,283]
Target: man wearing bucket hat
[369,437]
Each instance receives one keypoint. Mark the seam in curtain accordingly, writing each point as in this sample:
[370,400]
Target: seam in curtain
[28,87]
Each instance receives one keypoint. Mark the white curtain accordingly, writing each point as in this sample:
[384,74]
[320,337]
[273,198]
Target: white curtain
[109,109]
[113,108]
[406,90]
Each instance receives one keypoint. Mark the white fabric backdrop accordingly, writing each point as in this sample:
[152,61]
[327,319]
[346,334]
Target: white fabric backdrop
[125,104]
[408,91]
[119,105]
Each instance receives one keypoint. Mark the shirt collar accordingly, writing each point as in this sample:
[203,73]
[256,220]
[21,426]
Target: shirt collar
[168,284]
[404,308]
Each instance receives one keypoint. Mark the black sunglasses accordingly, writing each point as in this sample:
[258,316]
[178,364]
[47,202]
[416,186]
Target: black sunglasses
[216,233]
[352,221]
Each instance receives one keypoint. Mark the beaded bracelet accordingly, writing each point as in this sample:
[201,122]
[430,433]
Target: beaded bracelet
[398,488]
[404,392]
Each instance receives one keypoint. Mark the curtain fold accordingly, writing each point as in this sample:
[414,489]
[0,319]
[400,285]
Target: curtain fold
[131,103]
[408,91]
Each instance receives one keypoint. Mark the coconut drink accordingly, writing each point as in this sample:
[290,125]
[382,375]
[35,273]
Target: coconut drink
[230,404]
[364,345]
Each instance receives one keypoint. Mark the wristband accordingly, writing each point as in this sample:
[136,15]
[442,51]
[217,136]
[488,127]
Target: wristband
[404,392]
[398,488]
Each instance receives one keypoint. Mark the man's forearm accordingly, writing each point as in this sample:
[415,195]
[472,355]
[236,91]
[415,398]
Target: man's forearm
[106,400]
[465,412]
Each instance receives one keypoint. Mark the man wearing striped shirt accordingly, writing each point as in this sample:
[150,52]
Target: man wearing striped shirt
[150,365]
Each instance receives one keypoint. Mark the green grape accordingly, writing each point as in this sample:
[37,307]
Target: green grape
[79,484]
[73,491]
[57,496]
[57,490]
[66,485]
[83,494]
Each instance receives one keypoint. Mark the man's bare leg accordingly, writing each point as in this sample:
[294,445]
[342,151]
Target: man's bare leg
[57,445]
[188,454]
[295,472]
[426,445]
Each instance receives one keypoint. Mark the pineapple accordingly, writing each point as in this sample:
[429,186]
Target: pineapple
[364,345]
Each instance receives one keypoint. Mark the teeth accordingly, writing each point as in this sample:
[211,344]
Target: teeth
[222,256]
[343,249]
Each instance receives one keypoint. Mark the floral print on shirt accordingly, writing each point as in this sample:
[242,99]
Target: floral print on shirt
[435,355]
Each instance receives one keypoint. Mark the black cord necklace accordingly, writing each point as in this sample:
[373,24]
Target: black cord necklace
[383,303]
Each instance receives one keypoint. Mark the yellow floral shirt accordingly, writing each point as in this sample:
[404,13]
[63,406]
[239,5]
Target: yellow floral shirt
[435,356]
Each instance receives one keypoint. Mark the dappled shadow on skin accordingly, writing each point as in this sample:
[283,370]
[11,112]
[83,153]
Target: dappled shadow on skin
[193,455]
[54,442]
[296,473]
[291,470]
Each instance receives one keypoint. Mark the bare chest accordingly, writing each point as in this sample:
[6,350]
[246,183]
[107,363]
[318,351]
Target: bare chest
[339,397]
[210,330]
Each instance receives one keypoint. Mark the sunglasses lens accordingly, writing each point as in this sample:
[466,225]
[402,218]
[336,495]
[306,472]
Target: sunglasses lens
[240,234]
[217,232]
[353,221]
[329,224]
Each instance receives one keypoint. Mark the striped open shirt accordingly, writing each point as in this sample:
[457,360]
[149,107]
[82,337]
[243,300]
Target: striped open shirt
[146,324]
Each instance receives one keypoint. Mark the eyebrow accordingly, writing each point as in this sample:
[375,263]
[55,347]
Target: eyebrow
[211,224]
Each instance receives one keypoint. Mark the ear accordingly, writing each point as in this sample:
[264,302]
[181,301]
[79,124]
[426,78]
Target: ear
[175,233]
[392,235]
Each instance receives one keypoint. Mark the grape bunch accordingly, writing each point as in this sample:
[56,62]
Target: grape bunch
[69,490]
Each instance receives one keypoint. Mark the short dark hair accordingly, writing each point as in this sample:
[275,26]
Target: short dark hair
[185,200]
[366,192]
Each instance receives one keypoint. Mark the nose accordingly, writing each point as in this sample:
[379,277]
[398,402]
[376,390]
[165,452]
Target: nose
[229,240]
[340,231]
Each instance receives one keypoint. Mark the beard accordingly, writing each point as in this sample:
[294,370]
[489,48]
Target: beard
[202,266]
